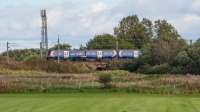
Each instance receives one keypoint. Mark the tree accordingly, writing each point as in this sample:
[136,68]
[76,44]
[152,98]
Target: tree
[131,29]
[123,44]
[149,27]
[165,31]
[194,54]
[182,59]
[165,46]
[164,51]
[62,47]
[197,43]
[107,41]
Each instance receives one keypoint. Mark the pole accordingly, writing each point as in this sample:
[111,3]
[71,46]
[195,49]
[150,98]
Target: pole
[58,49]
[117,46]
[41,51]
[7,51]
[117,41]
[191,42]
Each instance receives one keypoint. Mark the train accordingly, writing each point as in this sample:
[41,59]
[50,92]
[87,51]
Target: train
[93,54]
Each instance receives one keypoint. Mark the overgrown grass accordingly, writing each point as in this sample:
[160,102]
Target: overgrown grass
[45,66]
[4,71]
[48,76]
[134,83]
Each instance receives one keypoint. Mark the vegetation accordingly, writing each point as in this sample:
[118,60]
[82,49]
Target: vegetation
[97,103]
[46,66]
[105,79]
[23,54]
[93,82]
[107,41]
[163,49]
[133,30]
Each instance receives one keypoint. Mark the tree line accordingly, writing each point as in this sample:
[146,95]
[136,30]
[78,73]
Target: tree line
[163,48]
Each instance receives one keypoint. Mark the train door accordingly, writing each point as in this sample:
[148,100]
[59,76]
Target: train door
[66,54]
[136,54]
[99,54]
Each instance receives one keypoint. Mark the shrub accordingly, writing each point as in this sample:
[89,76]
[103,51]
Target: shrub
[135,65]
[178,70]
[119,64]
[182,59]
[157,69]
[113,73]
[105,79]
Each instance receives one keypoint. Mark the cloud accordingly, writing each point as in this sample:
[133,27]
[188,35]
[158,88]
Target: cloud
[193,19]
[196,5]
[99,7]
[187,25]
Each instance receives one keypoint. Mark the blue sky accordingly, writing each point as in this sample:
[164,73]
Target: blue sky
[77,21]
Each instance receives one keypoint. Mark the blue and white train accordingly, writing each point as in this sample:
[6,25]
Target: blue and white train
[94,54]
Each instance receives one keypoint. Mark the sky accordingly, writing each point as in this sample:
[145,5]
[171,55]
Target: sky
[77,21]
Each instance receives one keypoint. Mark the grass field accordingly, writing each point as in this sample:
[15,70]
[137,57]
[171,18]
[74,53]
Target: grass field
[97,103]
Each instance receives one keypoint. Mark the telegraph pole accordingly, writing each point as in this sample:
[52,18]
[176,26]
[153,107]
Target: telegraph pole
[41,50]
[191,42]
[117,41]
[58,49]
[7,51]
[117,44]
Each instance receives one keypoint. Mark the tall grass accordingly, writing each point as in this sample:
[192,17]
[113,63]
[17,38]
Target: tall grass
[46,66]
[166,84]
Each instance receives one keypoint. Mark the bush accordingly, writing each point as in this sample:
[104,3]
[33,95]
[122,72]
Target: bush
[180,63]
[113,73]
[105,79]
[119,64]
[178,70]
[182,59]
[135,65]
[157,69]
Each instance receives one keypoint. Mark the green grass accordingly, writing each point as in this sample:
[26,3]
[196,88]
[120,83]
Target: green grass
[97,103]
